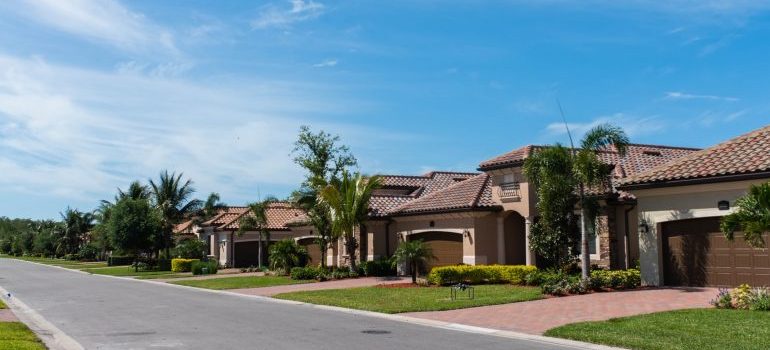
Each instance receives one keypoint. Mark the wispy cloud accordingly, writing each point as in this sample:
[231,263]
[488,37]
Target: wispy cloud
[326,63]
[678,95]
[275,16]
[632,125]
[710,118]
[105,21]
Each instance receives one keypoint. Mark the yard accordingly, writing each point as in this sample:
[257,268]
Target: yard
[408,298]
[70,264]
[15,335]
[127,271]
[241,282]
[682,329]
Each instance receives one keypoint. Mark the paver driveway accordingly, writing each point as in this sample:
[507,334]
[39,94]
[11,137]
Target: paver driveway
[536,317]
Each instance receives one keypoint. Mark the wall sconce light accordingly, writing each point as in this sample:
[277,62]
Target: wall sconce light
[467,233]
[644,227]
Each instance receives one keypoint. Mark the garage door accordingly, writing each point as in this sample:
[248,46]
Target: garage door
[696,253]
[313,250]
[247,254]
[447,247]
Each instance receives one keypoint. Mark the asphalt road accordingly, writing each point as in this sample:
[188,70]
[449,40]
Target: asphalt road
[107,313]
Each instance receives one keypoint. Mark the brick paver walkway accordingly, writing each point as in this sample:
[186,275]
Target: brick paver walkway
[535,317]
[346,283]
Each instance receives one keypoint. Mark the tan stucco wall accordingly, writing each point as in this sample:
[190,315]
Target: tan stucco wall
[526,205]
[659,205]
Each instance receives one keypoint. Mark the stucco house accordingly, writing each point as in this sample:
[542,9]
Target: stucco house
[679,209]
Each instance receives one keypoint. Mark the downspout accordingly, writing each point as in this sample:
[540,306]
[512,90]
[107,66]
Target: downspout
[628,233]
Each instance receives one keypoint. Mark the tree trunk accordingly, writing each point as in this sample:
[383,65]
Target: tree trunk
[259,252]
[585,255]
[414,272]
[351,246]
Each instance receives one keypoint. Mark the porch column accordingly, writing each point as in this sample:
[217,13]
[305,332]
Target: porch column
[500,240]
[527,228]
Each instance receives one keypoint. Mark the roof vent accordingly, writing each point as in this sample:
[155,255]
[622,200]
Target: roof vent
[652,153]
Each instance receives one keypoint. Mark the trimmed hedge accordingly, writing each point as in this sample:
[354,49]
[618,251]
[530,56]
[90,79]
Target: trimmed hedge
[616,279]
[120,260]
[182,265]
[476,274]
[378,268]
[211,265]
[304,273]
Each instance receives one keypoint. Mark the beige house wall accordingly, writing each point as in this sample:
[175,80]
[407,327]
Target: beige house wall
[659,205]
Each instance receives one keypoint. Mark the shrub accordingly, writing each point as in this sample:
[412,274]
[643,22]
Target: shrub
[211,266]
[723,299]
[286,254]
[742,296]
[759,300]
[378,268]
[88,252]
[475,274]
[616,279]
[190,248]
[182,265]
[120,260]
[305,273]
[72,257]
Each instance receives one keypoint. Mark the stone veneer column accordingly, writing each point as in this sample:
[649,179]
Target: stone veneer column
[500,240]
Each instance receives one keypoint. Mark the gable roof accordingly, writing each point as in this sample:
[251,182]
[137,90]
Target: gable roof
[279,214]
[383,203]
[747,155]
[472,194]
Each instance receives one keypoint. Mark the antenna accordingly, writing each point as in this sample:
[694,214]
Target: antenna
[566,126]
[259,195]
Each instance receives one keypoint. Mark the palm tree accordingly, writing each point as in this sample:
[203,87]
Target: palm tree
[75,226]
[752,216]
[135,191]
[591,172]
[286,254]
[255,219]
[348,204]
[318,214]
[212,206]
[413,253]
[172,197]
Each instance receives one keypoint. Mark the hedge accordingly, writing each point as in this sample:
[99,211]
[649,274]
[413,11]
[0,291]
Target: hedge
[476,274]
[378,268]
[120,260]
[182,265]
[211,266]
[616,279]
[304,273]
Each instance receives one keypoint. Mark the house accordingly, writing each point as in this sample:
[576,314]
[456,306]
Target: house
[679,206]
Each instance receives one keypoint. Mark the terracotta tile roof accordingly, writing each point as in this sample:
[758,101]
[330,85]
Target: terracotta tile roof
[386,199]
[278,215]
[472,194]
[745,154]
[225,215]
[384,204]
[511,158]
[183,228]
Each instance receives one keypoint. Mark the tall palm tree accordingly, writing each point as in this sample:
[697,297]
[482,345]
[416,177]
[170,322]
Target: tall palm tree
[75,226]
[173,197]
[414,253]
[348,204]
[256,220]
[212,206]
[591,172]
[135,191]
[752,216]
[318,213]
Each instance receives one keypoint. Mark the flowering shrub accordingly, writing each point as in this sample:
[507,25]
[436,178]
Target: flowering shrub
[744,297]
[723,300]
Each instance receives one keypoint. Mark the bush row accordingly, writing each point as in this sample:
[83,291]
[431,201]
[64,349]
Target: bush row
[476,274]
[182,265]
[559,283]
[744,297]
[378,268]
[211,267]
[120,260]
[317,273]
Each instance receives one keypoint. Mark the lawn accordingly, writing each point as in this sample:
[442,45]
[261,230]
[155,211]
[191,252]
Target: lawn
[123,271]
[241,282]
[2,305]
[58,262]
[15,335]
[682,329]
[396,300]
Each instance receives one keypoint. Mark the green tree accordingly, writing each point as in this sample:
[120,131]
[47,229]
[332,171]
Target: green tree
[324,159]
[348,204]
[414,254]
[190,248]
[75,226]
[135,227]
[752,216]
[256,220]
[210,208]
[286,254]
[173,198]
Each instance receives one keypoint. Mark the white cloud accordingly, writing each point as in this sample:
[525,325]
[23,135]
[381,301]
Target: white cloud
[77,133]
[274,16]
[105,21]
[677,95]
[326,63]
[632,125]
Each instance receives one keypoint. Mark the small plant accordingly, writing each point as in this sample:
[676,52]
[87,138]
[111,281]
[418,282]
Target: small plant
[742,296]
[204,267]
[759,299]
[723,299]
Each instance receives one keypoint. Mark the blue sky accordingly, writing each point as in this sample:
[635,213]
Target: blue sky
[94,94]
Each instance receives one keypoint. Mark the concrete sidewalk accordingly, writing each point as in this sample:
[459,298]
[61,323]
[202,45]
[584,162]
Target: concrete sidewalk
[338,284]
[536,317]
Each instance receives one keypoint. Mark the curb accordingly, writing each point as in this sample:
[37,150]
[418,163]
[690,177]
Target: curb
[398,318]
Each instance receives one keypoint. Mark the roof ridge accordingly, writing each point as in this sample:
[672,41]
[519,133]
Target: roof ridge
[438,192]
[665,146]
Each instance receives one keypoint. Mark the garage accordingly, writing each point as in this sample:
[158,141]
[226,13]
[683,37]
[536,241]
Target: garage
[696,253]
[447,247]
[247,254]
[313,250]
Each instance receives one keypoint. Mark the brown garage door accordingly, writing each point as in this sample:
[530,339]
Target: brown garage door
[696,253]
[446,246]
[313,250]
[247,254]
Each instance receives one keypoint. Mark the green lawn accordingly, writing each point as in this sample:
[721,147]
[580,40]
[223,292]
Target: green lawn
[241,282]
[15,335]
[123,271]
[166,275]
[700,329]
[397,300]
[57,262]
[2,305]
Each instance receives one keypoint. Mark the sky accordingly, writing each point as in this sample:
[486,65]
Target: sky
[96,94]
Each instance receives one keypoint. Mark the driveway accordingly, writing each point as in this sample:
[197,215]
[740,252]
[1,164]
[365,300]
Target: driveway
[346,283]
[536,317]
[102,312]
